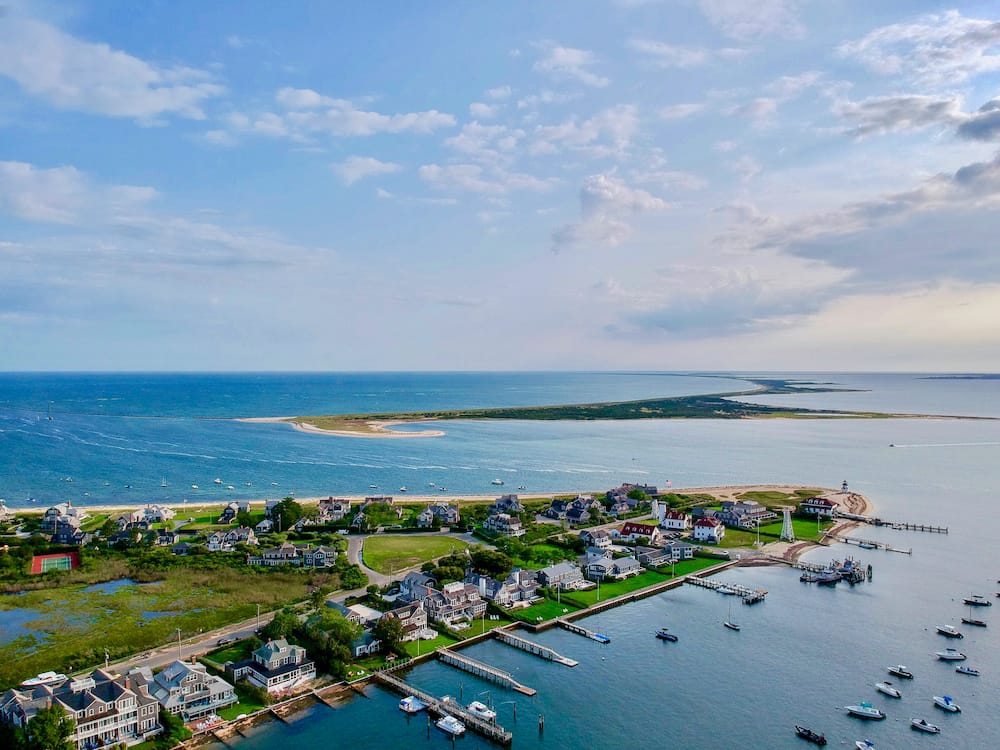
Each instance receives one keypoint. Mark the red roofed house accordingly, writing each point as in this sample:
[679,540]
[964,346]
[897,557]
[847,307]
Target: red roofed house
[818,506]
[709,530]
[631,531]
[676,519]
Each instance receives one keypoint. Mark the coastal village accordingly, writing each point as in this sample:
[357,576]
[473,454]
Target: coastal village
[513,564]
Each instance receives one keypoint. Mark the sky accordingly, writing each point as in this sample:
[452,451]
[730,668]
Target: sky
[563,185]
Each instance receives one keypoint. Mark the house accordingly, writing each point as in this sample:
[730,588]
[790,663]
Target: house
[333,509]
[181,549]
[612,569]
[592,553]
[454,603]
[216,542]
[649,489]
[744,514]
[426,518]
[276,666]
[446,515]
[558,509]
[266,526]
[653,557]
[679,550]
[241,535]
[413,618]
[566,575]
[709,530]
[520,586]
[124,538]
[154,514]
[229,513]
[269,506]
[675,520]
[577,516]
[414,586]
[166,538]
[63,513]
[600,539]
[507,504]
[318,557]
[4,512]
[366,645]
[818,506]
[189,691]
[107,708]
[504,524]
[618,507]
[67,533]
[346,612]
[631,532]
[286,554]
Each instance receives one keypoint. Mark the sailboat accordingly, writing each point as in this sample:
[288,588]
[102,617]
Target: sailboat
[163,482]
[970,620]
[730,623]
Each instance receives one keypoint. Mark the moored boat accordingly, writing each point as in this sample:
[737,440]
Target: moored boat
[888,688]
[974,621]
[945,702]
[497,482]
[807,734]
[45,678]
[925,726]
[665,635]
[481,710]
[731,625]
[900,671]
[411,704]
[950,654]
[977,600]
[948,631]
[865,710]
[864,744]
[967,670]
[451,725]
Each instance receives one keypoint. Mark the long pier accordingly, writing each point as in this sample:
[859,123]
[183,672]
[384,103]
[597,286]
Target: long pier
[580,630]
[485,671]
[747,594]
[512,639]
[439,707]
[897,525]
[870,544]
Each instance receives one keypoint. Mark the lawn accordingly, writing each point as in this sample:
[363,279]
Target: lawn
[544,610]
[805,529]
[684,567]
[424,647]
[236,652]
[772,498]
[243,707]
[391,554]
[611,589]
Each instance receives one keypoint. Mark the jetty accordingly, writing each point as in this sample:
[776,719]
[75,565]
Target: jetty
[442,707]
[512,639]
[747,594]
[580,630]
[484,671]
[897,525]
[870,544]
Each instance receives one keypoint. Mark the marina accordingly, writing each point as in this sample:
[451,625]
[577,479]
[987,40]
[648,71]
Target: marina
[747,594]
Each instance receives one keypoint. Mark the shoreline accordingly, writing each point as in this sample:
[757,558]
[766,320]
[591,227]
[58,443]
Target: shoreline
[376,428]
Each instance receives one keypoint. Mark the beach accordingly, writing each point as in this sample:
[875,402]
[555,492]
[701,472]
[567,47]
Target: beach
[369,429]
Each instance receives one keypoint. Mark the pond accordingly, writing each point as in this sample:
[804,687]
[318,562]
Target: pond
[111,587]
[13,621]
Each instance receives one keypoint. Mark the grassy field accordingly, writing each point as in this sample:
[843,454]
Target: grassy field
[381,552]
[774,498]
[611,589]
[544,610]
[411,647]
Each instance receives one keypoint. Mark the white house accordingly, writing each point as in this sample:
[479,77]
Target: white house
[818,506]
[675,520]
[630,532]
[608,569]
[709,530]
[504,524]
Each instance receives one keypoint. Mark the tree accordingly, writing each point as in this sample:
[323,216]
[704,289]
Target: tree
[244,518]
[286,513]
[282,626]
[50,729]
[491,563]
[637,494]
[389,630]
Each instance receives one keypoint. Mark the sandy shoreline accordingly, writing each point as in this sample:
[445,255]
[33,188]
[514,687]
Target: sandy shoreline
[376,428]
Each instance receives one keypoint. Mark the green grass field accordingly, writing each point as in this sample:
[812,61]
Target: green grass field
[425,647]
[399,552]
[611,589]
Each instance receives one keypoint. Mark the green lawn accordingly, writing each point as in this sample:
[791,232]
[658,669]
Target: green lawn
[235,652]
[612,589]
[805,529]
[684,567]
[544,610]
[243,707]
[424,647]
[406,551]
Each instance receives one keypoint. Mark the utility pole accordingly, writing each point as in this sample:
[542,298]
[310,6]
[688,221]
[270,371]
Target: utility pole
[178,644]
[258,617]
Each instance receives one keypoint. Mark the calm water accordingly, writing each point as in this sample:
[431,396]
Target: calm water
[801,656]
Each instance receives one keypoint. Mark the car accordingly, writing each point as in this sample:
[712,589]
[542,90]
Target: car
[225,641]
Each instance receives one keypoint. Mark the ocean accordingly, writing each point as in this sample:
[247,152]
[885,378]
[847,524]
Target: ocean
[801,656]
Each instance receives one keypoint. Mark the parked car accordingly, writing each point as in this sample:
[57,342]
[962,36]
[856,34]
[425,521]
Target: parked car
[225,641]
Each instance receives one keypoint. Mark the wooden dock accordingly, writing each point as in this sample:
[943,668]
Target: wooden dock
[512,639]
[897,525]
[485,671]
[580,630]
[441,707]
[870,544]
[747,594]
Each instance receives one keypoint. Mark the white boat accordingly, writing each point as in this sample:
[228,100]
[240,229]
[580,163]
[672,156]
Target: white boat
[163,482]
[977,600]
[451,725]
[864,744]
[949,631]
[248,484]
[497,482]
[925,726]
[967,670]
[45,678]
[865,710]
[194,486]
[480,709]
[373,486]
[274,484]
[945,702]
[522,487]
[403,488]
[217,481]
[730,622]
[950,654]
[888,688]
[411,704]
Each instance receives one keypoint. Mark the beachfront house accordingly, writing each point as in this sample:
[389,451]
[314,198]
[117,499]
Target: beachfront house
[276,666]
[675,520]
[565,574]
[679,550]
[269,506]
[154,514]
[600,539]
[229,513]
[519,588]
[62,514]
[818,506]
[107,709]
[507,504]
[188,690]
[5,514]
[413,618]
[612,569]
[708,529]
[744,514]
[454,604]
[333,509]
[504,524]
[633,532]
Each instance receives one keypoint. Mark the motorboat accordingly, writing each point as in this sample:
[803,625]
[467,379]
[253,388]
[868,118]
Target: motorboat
[497,482]
[945,702]
[888,688]
[900,671]
[216,481]
[665,635]
[925,726]
[967,670]
[522,487]
[867,545]
[194,486]
[45,678]
[829,578]
[726,590]
[482,711]
[865,710]
[864,744]
[411,704]
[949,631]
[807,734]
[977,600]
[451,725]
[163,482]
[950,654]
[230,487]
[403,488]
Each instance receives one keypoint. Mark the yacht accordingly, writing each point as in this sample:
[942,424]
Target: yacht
[497,482]
[970,620]
[865,710]
[451,725]
[864,744]
[482,711]
[403,488]
[411,704]
[45,678]
[194,486]
[950,654]
[925,726]
[807,734]
[665,635]
[949,631]
[900,671]
[977,600]
[216,481]
[945,702]
[967,670]
[888,688]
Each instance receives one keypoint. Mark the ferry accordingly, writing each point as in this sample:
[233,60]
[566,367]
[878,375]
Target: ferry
[865,710]
[950,654]
[451,725]
[967,670]
[976,600]
[945,702]
[411,704]
[482,711]
[807,734]
[45,678]
[665,635]
[925,726]
[949,631]
[888,688]
[900,671]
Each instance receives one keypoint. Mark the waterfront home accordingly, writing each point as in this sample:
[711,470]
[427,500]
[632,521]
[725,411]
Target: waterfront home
[557,509]
[592,553]
[675,520]
[600,538]
[153,514]
[565,574]
[425,519]
[507,504]
[229,513]
[414,586]
[447,515]
[365,645]
[107,709]
[632,532]
[709,529]
[285,554]
[818,506]
[653,557]
[5,514]
[63,513]
[612,569]
[276,666]
[679,550]
[744,514]
[333,509]
[504,524]
[269,506]
[188,690]
[519,587]
[413,618]
[454,603]
[131,521]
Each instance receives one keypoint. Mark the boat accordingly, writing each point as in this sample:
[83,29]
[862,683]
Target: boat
[949,631]
[403,488]
[967,670]
[867,545]
[807,734]
[411,704]
[665,635]
[45,678]
[970,620]
[497,482]
[600,638]
[730,623]
[431,484]
[976,600]
[925,726]
[829,578]
[864,744]
[248,484]
[482,711]
[945,702]
[900,671]
[888,688]
[522,487]
[163,482]
[216,481]
[865,710]
[451,725]
[373,486]
[274,484]
[230,487]
[950,654]
[194,486]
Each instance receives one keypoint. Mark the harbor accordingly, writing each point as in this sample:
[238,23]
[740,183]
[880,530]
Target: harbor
[483,671]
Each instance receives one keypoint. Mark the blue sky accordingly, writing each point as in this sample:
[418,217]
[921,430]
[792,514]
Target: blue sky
[619,184]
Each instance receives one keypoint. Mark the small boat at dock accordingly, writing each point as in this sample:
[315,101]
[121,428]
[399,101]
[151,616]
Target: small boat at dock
[807,734]
[411,704]
[925,726]
[865,710]
[451,725]
[950,654]
[482,711]
[888,688]
[967,670]
[977,600]
[945,702]
[665,635]
[900,671]
[949,631]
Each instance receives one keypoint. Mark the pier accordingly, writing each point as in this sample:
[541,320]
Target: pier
[485,671]
[897,525]
[580,630]
[439,707]
[747,594]
[512,639]
[870,544]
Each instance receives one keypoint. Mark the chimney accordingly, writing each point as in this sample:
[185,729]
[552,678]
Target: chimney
[128,683]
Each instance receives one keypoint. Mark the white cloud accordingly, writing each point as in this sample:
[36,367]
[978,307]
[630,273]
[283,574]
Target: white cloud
[472,178]
[940,49]
[746,167]
[569,63]
[606,203]
[787,87]
[487,143]
[499,92]
[680,111]
[749,20]
[355,168]
[670,55]
[609,132]
[889,114]
[757,109]
[83,76]
[483,111]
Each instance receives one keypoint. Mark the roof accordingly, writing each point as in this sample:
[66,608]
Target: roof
[708,521]
[820,501]
[637,528]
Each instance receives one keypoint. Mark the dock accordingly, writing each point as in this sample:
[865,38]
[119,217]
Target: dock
[512,639]
[747,594]
[441,707]
[485,671]
[580,630]
[870,544]
[897,525]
